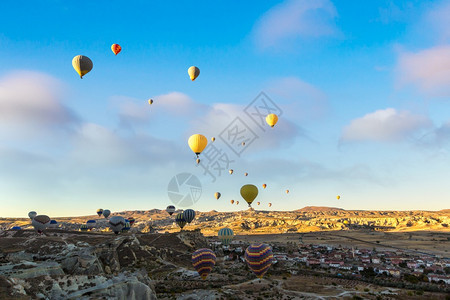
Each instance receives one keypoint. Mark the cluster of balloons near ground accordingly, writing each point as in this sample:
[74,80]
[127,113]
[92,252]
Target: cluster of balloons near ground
[182,218]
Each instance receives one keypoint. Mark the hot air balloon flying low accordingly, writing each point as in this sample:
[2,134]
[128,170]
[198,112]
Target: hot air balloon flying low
[197,143]
[82,65]
[225,235]
[217,195]
[189,215]
[84,227]
[230,171]
[203,261]
[249,193]
[193,72]
[338,197]
[106,213]
[232,201]
[53,224]
[40,223]
[117,223]
[127,226]
[271,119]
[99,212]
[179,219]
[131,220]
[259,258]
[91,224]
[170,209]
[32,214]
[150,101]
[264,186]
[116,48]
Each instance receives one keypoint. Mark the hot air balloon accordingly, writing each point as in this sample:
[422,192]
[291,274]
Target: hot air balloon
[249,193]
[259,258]
[106,213]
[217,195]
[150,101]
[243,143]
[246,174]
[84,227]
[270,204]
[193,72]
[126,227]
[53,224]
[32,214]
[170,209]
[91,224]
[338,197]
[99,212]
[345,222]
[232,201]
[225,235]
[82,65]
[258,203]
[40,223]
[117,223]
[272,119]
[264,186]
[179,219]
[197,143]
[189,215]
[237,202]
[116,48]
[131,220]
[230,171]
[287,191]
[213,139]
[203,261]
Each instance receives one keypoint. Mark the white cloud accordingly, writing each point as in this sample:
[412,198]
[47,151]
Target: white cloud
[30,102]
[293,19]
[384,125]
[428,69]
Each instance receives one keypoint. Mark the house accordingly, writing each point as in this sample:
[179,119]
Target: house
[312,261]
[345,267]
[411,264]
[376,260]
[437,278]
[394,273]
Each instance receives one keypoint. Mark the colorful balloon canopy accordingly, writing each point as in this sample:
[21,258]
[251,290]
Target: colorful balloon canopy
[225,235]
[249,193]
[179,219]
[193,72]
[99,212]
[189,215]
[117,223]
[232,201]
[91,224]
[217,195]
[203,261]
[106,213]
[264,185]
[271,119]
[150,101]
[126,227]
[82,65]
[170,209]
[197,143]
[116,48]
[131,220]
[259,258]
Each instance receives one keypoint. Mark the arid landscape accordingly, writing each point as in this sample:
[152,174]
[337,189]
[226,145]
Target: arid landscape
[153,259]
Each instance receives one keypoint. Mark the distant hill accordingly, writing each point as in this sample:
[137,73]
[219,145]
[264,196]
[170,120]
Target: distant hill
[319,208]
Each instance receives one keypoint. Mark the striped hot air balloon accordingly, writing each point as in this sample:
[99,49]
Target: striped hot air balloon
[126,227]
[179,219]
[100,212]
[203,261]
[84,227]
[131,220]
[225,235]
[259,258]
[189,215]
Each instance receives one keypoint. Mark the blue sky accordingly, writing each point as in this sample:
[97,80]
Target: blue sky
[363,87]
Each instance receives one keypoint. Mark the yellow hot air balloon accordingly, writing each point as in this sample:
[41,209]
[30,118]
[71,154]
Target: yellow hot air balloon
[232,201]
[264,185]
[197,142]
[246,174]
[230,171]
[338,197]
[150,101]
[258,203]
[213,139]
[217,195]
[270,204]
[272,119]
[249,193]
[82,64]
[193,72]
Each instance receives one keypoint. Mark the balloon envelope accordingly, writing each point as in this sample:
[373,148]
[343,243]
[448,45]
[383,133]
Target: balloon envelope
[131,220]
[197,143]
[32,214]
[203,261]
[82,65]
[249,193]
[106,213]
[91,224]
[99,212]
[271,119]
[225,235]
[259,258]
[116,48]
[189,215]
[264,186]
[170,209]
[217,195]
[193,72]
[338,197]
[179,219]
[117,223]
[40,222]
